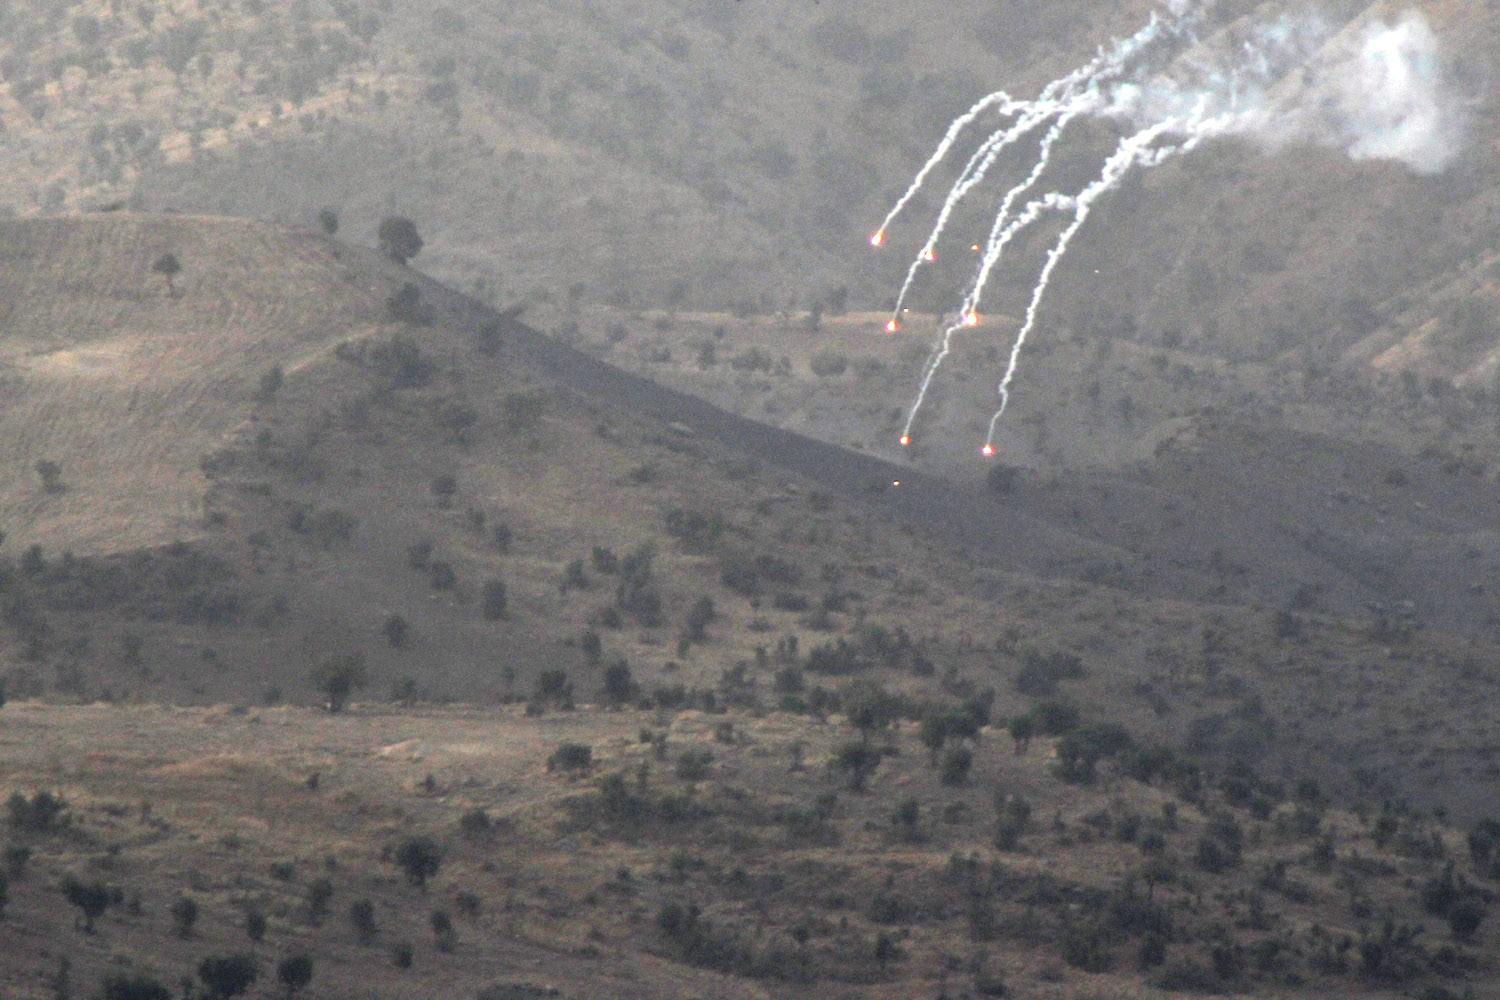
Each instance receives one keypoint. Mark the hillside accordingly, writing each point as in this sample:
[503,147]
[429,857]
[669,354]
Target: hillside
[545,604]
[127,384]
[723,153]
[412,500]
[672,854]
[367,499]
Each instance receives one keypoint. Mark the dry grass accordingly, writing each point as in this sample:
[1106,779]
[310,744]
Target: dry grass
[127,386]
[206,801]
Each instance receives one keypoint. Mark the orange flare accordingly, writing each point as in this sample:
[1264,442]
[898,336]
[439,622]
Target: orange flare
[878,240]
[929,256]
[905,440]
[971,319]
[892,327]
[988,451]
[975,248]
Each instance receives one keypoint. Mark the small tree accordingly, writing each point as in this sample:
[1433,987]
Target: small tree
[255,924]
[184,916]
[271,381]
[406,306]
[51,475]
[226,976]
[554,688]
[33,563]
[571,757]
[1014,814]
[91,898]
[44,812]
[340,676]
[591,644]
[906,818]
[858,762]
[956,764]
[1465,917]
[934,733]
[295,972]
[118,986]
[441,575]
[700,616]
[399,239]
[444,488]
[494,601]
[319,893]
[329,220]
[168,267]
[1022,730]
[869,709]
[420,858]
[362,918]
[396,629]
[487,338]
[443,930]
[619,686]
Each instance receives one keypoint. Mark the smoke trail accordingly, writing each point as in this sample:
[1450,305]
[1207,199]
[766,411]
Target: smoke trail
[1007,104]
[1059,95]
[975,173]
[1000,236]
[1134,150]
[1377,94]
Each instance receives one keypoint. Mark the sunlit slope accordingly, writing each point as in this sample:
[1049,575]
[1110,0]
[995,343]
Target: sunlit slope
[125,384]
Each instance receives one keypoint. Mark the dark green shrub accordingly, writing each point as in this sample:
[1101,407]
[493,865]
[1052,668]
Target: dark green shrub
[43,812]
[295,972]
[362,919]
[858,762]
[119,986]
[1014,813]
[227,976]
[184,916]
[338,677]
[955,766]
[420,858]
[571,757]
[694,763]
[494,599]
[91,899]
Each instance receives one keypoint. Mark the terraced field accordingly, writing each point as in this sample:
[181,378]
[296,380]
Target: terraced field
[126,384]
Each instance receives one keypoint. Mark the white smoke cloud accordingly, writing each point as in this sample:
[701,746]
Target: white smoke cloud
[1392,101]
[1377,92]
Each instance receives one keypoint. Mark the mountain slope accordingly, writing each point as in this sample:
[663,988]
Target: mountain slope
[404,466]
[720,153]
[126,384]
[727,857]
